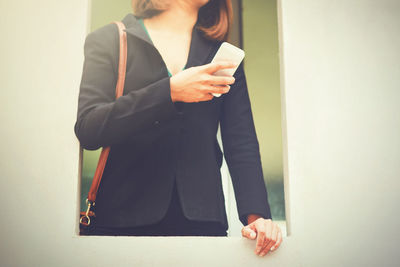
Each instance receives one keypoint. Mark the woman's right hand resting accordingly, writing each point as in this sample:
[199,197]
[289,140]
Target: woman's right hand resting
[197,84]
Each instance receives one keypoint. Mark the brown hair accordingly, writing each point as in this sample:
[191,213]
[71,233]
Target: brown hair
[214,18]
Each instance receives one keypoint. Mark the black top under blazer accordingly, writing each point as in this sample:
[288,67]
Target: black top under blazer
[155,141]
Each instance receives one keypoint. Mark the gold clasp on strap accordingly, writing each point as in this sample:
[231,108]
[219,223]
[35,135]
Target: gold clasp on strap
[87,222]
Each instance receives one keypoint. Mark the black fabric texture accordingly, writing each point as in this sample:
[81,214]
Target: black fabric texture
[154,144]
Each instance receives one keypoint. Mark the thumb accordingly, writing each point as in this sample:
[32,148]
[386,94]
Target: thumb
[248,233]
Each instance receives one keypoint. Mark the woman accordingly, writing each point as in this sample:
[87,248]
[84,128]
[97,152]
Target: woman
[162,176]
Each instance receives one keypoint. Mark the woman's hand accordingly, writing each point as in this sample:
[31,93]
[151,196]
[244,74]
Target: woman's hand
[197,84]
[268,234]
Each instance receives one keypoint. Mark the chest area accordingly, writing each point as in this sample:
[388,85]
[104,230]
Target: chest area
[172,46]
[174,50]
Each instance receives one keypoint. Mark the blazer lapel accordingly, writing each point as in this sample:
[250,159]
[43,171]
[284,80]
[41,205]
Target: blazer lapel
[133,27]
[200,49]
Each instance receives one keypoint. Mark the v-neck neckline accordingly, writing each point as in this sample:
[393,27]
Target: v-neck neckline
[148,35]
[200,47]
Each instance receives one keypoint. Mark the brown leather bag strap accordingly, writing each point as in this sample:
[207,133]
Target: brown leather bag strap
[118,92]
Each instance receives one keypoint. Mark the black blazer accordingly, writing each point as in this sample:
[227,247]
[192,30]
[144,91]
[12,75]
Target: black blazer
[155,141]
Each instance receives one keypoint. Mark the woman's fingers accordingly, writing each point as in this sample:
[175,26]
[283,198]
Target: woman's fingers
[220,80]
[217,89]
[196,84]
[278,241]
[265,231]
[248,233]
[207,97]
[271,237]
[216,66]
[260,226]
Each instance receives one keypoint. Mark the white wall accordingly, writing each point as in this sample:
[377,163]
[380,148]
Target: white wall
[342,95]
[341,80]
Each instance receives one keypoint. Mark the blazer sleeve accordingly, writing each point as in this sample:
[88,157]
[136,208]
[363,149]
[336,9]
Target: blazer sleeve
[241,151]
[102,120]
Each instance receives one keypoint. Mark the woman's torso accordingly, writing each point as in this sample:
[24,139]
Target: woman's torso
[181,145]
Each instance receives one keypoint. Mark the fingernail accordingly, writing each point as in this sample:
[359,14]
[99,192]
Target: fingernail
[272,249]
[262,254]
[252,235]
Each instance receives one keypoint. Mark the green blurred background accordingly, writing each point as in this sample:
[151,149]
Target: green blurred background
[256,30]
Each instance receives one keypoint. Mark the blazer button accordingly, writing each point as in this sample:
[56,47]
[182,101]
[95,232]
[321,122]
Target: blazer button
[156,122]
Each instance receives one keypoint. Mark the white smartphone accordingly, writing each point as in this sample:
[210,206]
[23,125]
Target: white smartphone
[228,52]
